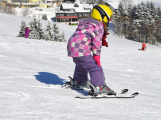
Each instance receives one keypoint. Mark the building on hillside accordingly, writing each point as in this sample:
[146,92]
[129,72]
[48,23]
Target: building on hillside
[58,2]
[5,2]
[44,5]
[32,3]
[69,1]
[2,3]
[22,3]
[51,3]
[71,12]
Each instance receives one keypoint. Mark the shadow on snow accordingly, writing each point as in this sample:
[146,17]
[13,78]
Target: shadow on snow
[49,78]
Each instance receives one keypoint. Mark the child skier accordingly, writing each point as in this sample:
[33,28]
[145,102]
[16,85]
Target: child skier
[143,46]
[88,37]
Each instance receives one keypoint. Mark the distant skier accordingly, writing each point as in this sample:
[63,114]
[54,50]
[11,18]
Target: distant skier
[27,31]
[143,46]
[87,38]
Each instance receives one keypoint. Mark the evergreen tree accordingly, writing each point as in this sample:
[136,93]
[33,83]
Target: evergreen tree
[121,9]
[40,30]
[119,20]
[48,35]
[58,38]
[22,31]
[153,12]
[129,28]
[138,14]
[149,16]
[34,34]
[139,23]
[63,37]
[56,32]
[159,13]
[36,31]
[44,17]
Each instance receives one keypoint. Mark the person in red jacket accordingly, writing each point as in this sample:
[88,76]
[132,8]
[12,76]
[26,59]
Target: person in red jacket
[143,46]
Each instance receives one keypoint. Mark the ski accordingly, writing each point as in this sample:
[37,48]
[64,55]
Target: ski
[71,85]
[108,97]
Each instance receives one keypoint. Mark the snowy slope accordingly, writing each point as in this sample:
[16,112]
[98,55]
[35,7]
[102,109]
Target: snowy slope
[32,72]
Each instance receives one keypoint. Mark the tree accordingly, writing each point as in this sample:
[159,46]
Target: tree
[49,35]
[159,13]
[119,20]
[56,36]
[126,3]
[22,31]
[44,17]
[26,11]
[139,23]
[36,31]
[40,30]
[63,37]
[128,23]
[34,34]
[8,9]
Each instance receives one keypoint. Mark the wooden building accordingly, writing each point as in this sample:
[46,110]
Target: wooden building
[72,12]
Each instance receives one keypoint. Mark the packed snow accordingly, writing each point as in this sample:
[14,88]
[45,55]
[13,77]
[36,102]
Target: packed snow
[33,71]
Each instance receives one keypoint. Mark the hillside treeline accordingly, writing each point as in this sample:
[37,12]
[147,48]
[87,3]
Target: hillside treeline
[139,23]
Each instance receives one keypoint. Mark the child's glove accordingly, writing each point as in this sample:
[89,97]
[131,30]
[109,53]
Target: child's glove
[97,59]
[104,40]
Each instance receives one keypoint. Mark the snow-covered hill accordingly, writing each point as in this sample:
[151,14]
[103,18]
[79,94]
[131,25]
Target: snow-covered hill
[38,12]
[32,72]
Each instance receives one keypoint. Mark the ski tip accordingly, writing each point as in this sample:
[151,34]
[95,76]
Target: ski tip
[80,97]
[124,91]
[135,94]
[70,77]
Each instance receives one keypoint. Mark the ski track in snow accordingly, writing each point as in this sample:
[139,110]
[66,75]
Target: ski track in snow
[32,72]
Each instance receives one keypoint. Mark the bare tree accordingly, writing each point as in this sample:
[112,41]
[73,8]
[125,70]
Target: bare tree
[8,9]
[26,11]
[1,8]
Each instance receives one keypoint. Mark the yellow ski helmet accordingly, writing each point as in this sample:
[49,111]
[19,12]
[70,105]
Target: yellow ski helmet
[102,13]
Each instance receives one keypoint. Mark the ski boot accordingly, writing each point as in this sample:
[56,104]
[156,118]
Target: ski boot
[76,85]
[105,90]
